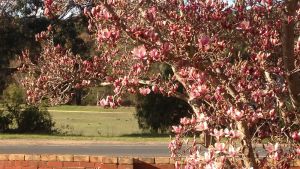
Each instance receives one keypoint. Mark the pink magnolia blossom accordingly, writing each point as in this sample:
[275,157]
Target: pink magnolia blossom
[177,129]
[218,133]
[144,91]
[233,151]
[201,126]
[296,136]
[140,52]
[220,147]
[244,25]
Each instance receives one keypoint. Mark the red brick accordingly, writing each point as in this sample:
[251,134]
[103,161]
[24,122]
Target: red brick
[12,157]
[95,159]
[9,163]
[42,164]
[148,160]
[22,163]
[48,157]
[54,164]
[110,160]
[125,166]
[4,157]
[162,160]
[106,166]
[165,166]
[144,166]
[32,157]
[71,164]
[86,164]
[65,158]
[33,163]
[125,160]
[30,167]
[84,158]
[13,167]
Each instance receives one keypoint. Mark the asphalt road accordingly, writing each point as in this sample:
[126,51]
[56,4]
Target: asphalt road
[89,148]
[141,150]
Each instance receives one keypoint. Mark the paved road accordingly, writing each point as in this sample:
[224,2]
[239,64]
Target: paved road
[145,150]
[88,148]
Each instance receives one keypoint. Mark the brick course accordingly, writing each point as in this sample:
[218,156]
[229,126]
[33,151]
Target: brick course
[53,161]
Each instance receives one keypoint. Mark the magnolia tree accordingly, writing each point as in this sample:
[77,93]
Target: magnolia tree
[236,65]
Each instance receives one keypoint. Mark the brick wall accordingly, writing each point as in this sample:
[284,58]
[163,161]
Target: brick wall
[51,161]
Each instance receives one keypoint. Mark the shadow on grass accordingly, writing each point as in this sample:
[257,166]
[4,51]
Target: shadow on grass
[145,135]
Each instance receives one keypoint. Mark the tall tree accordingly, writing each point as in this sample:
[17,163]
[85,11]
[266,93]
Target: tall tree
[237,64]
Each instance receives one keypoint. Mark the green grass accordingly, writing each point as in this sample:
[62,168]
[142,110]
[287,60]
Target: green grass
[90,108]
[126,139]
[94,123]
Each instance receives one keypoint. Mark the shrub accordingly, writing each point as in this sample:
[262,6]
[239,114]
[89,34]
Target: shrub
[5,121]
[35,120]
[156,112]
[14,94]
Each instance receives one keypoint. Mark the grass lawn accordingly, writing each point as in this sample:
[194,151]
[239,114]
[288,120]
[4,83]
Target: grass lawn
[91,109]
[94,123]
[127,139]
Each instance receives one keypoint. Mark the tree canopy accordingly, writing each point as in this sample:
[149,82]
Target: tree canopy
[238,65]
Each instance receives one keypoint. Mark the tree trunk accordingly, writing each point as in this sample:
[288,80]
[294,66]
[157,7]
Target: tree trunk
[207,138]
[288,39]
[248,151]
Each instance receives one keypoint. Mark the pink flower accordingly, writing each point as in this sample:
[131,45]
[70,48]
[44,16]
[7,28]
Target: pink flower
[185,121]
[144,91]
[272,148]
[220,147]
[177,129]
[103,103]
[277,156]
[155,89]
[48,2]
[235,114]
[232,151]
[140,52]
[244,25]
[201,126]
[298,150]
[296,136]
[154,54]
[218,133]
[208,156]
[201,117]
[203,43]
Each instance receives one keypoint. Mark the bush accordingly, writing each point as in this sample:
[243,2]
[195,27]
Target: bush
[5,121]
[35,120]
[23,118]
[14,94]
[158,113]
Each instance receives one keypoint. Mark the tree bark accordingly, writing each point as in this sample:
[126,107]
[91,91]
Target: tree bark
[288,40]
[248,151]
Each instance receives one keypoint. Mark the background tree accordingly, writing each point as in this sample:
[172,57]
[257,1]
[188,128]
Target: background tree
[237,65]
[152,108]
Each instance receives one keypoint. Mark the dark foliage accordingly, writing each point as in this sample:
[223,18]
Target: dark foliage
[158,113]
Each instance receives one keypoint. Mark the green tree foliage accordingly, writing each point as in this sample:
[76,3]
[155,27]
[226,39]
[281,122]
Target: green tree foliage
[157,113]
[21,118]
[152,108]
[34,119]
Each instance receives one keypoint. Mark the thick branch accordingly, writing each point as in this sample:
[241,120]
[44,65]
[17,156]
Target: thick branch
[288,52]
